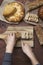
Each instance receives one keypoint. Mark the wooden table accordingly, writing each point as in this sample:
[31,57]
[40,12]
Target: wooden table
[18,57]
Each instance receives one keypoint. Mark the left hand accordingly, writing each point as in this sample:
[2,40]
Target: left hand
[11,39]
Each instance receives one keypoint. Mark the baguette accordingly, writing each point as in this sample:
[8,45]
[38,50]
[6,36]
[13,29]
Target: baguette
[33,5]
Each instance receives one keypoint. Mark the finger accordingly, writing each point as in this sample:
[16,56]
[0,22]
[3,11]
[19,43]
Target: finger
[14,34]
[7,36]
[11,34]
[23,44]
[26,44]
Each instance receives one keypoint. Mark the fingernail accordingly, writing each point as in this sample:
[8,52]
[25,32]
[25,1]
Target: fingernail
[12,34]
[9,34]
[24,44]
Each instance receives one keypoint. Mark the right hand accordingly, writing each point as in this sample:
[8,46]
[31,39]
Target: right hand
[27,49]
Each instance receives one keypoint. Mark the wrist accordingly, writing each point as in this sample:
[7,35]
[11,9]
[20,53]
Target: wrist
[34,60]
[9,49]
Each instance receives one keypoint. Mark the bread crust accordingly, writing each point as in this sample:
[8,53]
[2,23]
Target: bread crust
[16,14]
[40,12]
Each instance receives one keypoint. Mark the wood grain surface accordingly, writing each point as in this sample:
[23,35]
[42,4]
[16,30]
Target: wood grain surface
[18,57]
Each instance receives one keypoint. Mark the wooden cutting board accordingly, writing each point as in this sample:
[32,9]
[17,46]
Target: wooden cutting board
[23,30]
[39,33]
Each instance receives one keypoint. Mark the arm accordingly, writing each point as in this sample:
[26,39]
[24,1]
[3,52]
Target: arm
[7,59]
[9,49]
[28,51]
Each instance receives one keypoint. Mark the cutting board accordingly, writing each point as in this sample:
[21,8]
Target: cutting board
[22,30]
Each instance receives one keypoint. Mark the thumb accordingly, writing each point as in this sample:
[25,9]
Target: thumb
[23,44]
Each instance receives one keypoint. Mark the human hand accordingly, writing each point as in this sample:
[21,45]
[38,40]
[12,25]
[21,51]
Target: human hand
[10,41]
[28,51]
